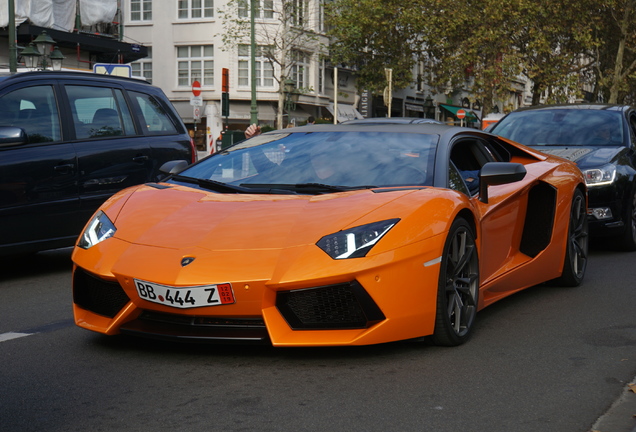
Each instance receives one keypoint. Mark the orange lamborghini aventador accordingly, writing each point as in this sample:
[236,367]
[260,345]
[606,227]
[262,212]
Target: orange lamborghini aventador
[332,235]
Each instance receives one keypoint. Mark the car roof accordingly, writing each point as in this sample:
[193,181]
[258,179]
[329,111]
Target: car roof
[392,120]
[578,106]
[22,76]
[422,128]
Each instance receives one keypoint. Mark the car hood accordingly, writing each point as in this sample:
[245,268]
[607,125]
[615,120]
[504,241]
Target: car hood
[584,157]
[182,218]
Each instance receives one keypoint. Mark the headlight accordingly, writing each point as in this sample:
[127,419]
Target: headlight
[600,176]
[99,229]
[355,242]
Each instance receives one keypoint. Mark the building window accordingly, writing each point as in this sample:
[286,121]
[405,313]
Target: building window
[264,9]
[143,67]
[188,9]
[195,63]
[321,76]
[321,16]
[140,10]
[300,68]
[264,67]
[298,12]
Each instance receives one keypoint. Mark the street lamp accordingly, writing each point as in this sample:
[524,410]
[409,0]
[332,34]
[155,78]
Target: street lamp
[40,48]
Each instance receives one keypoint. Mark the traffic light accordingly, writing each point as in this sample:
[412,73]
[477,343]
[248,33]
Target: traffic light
[225,80]
[225,104]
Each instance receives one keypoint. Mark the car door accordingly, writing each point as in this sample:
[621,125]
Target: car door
[112,154]
[38,179]
[500,229]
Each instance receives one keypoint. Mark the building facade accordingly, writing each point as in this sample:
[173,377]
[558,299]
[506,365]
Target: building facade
[195,40]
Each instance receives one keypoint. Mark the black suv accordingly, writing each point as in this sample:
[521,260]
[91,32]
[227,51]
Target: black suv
[70,140]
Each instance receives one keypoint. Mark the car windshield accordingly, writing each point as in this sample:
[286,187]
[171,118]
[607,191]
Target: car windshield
[572,127]
[320,162]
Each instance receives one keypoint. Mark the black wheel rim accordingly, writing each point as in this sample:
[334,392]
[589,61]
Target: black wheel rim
[462,279]
[578,240]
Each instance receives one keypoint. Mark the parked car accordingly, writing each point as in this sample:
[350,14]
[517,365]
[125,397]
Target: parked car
[332,235]
[601,139]
[70,140]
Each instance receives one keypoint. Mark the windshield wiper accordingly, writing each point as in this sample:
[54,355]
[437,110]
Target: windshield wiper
[306,188]
[212,184]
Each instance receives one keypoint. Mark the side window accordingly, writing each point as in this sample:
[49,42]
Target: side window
[632,124]
[33,109]
[155,119]
[455,180]
[468,156]
[99,112]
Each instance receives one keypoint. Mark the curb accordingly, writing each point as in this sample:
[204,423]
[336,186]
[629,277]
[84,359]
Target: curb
[621,417]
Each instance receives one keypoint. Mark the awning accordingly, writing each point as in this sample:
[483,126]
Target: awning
[345,112]
[453,110]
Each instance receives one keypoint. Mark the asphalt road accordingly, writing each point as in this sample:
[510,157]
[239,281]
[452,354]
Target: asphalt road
[547,359]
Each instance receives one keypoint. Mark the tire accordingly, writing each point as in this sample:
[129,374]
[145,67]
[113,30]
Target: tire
[577,244]
[458,287]
[627,241]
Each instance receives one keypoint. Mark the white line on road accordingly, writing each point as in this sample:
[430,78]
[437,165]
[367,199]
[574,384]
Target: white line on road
[11,335]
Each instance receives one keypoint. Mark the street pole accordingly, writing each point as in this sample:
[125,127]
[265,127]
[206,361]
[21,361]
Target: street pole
[13,49]
[253,107]
[335,95]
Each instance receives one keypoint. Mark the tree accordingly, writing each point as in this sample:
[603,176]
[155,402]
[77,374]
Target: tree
[616,51]
[282,31]
[370,36]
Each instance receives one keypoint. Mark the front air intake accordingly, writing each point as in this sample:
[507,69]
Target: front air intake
[97,295]
[342,306]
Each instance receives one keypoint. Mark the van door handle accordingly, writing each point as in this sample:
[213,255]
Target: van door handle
[140,159]
[64,168]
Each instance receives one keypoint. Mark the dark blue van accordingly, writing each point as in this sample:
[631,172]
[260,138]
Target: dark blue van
[70,140]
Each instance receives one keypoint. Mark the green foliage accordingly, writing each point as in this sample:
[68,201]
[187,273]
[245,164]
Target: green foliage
[485,45]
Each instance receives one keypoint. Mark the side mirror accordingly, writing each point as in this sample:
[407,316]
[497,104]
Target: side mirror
[173,167]
[498,173]
[12,136]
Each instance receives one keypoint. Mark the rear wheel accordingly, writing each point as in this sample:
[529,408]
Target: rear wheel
[458,287]
[577,246]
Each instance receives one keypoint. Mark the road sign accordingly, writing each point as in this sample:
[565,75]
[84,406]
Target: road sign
[197,113]
[113,69]
[196,101]
[196,88]
[461,114]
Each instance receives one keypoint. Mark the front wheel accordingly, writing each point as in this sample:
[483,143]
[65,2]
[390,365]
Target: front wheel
[628,239]
[577,245]
[458,287]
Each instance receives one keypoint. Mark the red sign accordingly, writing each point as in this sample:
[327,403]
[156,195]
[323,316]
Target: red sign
[461,114]
[196,88]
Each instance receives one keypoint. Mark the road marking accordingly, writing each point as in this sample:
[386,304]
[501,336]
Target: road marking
[46,328]
[11,335]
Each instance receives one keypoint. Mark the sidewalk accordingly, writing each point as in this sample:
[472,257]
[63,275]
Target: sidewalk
[621,417]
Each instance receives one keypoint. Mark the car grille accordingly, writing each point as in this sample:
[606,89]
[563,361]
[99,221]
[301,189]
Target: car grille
[343,306]
[188,328]
[97,295]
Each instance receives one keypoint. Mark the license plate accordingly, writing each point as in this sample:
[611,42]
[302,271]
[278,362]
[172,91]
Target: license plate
[185,297]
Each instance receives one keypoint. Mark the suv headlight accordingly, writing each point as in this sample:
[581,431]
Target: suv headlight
[98,229]
[355,242]
[600,176]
